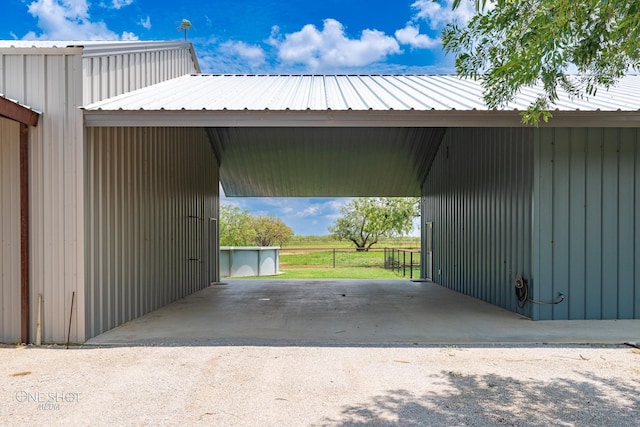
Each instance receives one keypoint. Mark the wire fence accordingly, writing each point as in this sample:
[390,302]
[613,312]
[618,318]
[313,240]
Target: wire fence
[406,262]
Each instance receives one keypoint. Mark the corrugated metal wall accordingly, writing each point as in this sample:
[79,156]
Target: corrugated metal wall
[587,208]
[52,83]
[478,196]
[9,230]
[150,194]
[107,76]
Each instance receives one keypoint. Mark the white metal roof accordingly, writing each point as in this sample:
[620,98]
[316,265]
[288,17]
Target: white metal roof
[405,100]
[347,92]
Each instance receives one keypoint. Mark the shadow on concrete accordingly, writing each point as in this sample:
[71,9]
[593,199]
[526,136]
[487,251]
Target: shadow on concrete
[494,400]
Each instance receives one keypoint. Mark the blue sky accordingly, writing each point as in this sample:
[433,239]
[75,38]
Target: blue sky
[251,36]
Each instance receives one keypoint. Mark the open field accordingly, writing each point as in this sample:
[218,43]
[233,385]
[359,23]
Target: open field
[297,272]
[307,263]
[330,258]
[321,257]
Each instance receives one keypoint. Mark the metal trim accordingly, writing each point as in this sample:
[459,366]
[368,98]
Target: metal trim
[17,112]
[486,119]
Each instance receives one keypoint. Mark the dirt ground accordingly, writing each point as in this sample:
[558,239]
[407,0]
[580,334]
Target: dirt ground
[315,386]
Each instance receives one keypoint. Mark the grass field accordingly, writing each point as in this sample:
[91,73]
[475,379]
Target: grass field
[320,257]
[333,273]
[328,258]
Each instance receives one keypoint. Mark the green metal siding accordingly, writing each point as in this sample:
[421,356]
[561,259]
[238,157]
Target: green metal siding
[586,227]
[149,195]
[478,196]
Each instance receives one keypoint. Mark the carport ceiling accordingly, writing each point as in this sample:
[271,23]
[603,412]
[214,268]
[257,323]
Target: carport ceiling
[338,135]
[316,162]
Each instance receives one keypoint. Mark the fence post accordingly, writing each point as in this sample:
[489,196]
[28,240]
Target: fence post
[334,257]
[411,265]
[393,260]
[404,263]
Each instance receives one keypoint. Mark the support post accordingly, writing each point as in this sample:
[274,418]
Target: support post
[24,233]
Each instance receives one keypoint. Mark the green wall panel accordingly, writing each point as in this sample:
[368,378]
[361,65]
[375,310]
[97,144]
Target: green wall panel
[478,196]
[586,208]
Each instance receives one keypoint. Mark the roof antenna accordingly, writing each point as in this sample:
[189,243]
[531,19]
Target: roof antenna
[185,25]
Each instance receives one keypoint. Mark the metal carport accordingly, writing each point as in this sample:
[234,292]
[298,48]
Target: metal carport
[380,135]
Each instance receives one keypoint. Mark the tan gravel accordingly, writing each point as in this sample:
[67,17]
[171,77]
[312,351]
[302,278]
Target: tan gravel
[300,386]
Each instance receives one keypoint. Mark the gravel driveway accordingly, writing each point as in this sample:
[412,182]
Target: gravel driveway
[335,386]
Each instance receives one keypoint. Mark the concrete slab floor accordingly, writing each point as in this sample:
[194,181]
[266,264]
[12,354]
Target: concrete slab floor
[349,312]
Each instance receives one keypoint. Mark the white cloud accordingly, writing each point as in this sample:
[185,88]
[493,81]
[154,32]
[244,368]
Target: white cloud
[69,20]
[331,48]
[129,36]
[252,54]
[411,35]
[309,211]
[146,23]
[118,4]
[306,216]
[437,14]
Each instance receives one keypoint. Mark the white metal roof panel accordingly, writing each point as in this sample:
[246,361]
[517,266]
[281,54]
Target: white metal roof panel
[341,92]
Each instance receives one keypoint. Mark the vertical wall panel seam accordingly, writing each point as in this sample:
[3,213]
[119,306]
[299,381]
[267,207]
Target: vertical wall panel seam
[554,227]
[618,261]
[636,214]
[585,147]
[601,220]
[568,254]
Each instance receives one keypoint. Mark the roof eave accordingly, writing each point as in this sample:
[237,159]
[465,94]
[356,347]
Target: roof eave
[352,118]
[17,112]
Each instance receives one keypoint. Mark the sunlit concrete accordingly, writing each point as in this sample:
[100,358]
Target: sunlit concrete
[349,312]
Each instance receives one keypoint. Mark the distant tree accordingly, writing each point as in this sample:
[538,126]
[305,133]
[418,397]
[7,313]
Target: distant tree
[509,45]
[240,228]
[270,231]
[365,220]
[236,228]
